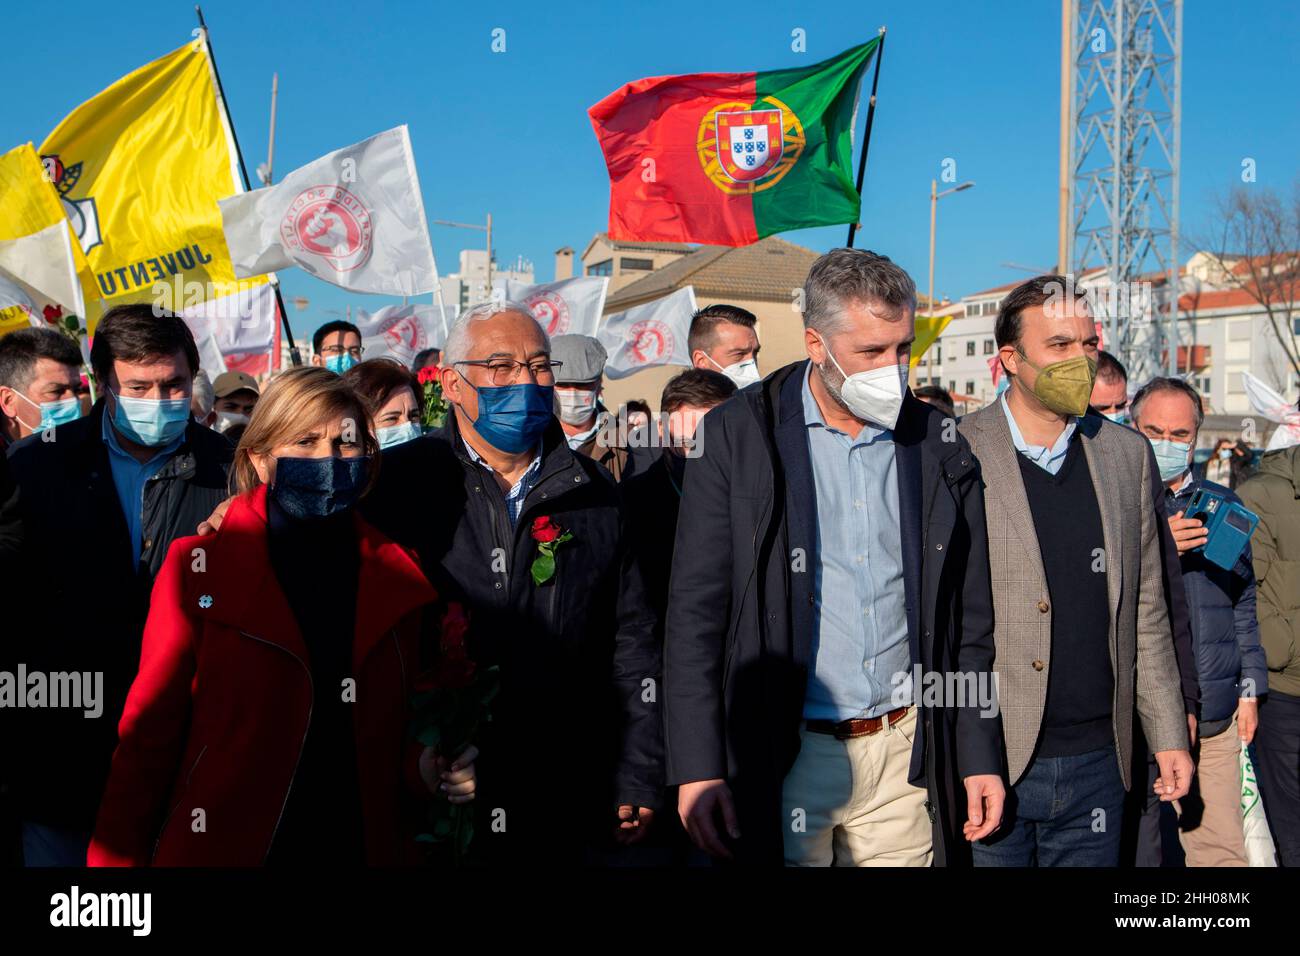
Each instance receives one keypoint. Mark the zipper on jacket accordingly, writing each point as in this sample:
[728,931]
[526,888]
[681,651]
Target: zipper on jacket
[301,747]
[167,819]
[501,530]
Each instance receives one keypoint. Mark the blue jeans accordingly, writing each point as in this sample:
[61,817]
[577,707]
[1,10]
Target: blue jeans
[1065,811]
[50,846]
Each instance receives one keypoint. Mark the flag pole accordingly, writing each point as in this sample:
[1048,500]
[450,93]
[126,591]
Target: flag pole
[866,139]
[294,355]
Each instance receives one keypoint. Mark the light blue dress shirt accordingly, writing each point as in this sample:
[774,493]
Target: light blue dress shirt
[1048,459]
[519,491]
[860,644]
[130,477]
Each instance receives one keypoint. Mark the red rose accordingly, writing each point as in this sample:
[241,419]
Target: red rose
[545,530]
[53,313]
[428,374]
[454,626]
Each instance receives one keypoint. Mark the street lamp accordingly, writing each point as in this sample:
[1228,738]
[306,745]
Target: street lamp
[934,201]
[471,225]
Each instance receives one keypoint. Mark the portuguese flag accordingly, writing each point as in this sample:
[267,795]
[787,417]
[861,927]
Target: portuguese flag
[728,158]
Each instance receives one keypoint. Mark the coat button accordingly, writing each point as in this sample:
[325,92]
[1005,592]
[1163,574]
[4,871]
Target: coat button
[812,600]
[148,543]
[1039,665]
[1043,606]
[938,547]
[497,585]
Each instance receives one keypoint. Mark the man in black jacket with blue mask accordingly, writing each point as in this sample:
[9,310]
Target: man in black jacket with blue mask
[829,639]
[117,486]
[531,537]
[1225,634]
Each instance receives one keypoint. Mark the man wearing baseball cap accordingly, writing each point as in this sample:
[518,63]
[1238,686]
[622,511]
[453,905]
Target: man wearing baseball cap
[577,401]
[236,394]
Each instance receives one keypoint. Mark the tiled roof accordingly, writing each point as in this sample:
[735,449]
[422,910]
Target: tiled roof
[1219,299]
[770,270]
[638,246]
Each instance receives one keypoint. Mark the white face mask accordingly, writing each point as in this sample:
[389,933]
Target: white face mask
[577,405]
[228,420]
[874,396]
[742,373]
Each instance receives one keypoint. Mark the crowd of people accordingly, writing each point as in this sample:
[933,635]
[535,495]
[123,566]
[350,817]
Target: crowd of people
[810,618]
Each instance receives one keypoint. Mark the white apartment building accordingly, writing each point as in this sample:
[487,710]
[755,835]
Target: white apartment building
[469,285]
[1223,331]
[959,358]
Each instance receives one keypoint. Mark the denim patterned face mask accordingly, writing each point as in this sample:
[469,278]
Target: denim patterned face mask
[307,488]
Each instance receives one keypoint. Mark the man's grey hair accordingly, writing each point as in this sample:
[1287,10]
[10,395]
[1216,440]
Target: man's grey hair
[457,347]
[203,394]
[844,276]
[1163,384]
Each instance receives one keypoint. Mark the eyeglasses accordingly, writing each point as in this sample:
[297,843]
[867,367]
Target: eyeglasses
[503,371]
[332,350]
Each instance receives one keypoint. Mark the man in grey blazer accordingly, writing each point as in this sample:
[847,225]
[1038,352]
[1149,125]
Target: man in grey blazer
[1081,627]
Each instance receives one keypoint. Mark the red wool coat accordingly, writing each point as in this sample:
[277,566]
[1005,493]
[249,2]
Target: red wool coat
[218,713]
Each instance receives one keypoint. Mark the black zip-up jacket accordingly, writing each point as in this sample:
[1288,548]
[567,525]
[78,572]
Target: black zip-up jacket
[741,607]
[80,604]
[577,728]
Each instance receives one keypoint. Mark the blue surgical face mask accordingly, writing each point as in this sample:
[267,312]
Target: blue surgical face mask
[54,414]
[151,421]
[307,488]
[1119,418]
[512,418]
[397,434]
[1171,457]
[338,364]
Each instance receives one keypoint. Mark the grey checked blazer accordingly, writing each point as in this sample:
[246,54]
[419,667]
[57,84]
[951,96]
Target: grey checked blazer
[1141,645]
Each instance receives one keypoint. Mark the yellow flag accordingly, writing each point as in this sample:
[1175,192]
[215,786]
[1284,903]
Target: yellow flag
[139,169]
[928,328]
[28,202]
[29,207]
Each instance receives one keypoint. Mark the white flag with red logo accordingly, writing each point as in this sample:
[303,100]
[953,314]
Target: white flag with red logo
[240,324]
[567,307]
[648,335]
[402,332]
[1275,408]
[354,218]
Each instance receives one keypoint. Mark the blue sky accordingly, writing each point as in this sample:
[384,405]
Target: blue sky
[508,132]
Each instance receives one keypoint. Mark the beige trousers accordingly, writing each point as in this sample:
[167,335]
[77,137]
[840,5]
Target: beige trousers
[1209,817]
[848,802]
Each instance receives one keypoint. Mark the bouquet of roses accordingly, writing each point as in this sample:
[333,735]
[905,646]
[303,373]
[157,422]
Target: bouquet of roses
[452,700]
[435,407]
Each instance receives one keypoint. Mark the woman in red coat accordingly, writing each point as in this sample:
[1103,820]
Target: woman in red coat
[267,723]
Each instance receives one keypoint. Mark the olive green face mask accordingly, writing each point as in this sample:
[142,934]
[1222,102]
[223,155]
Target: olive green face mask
[1065,387]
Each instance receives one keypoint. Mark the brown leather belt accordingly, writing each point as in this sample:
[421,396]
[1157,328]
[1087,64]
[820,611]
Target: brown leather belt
[857,726]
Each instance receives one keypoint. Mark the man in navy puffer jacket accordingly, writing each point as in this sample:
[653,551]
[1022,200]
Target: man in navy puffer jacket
[1225,634]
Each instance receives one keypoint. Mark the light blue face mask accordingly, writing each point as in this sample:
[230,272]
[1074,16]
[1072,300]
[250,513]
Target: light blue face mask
[54,414]
[338,364]
[1171,457]
[151,421]
[1119,418]
[397,434]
